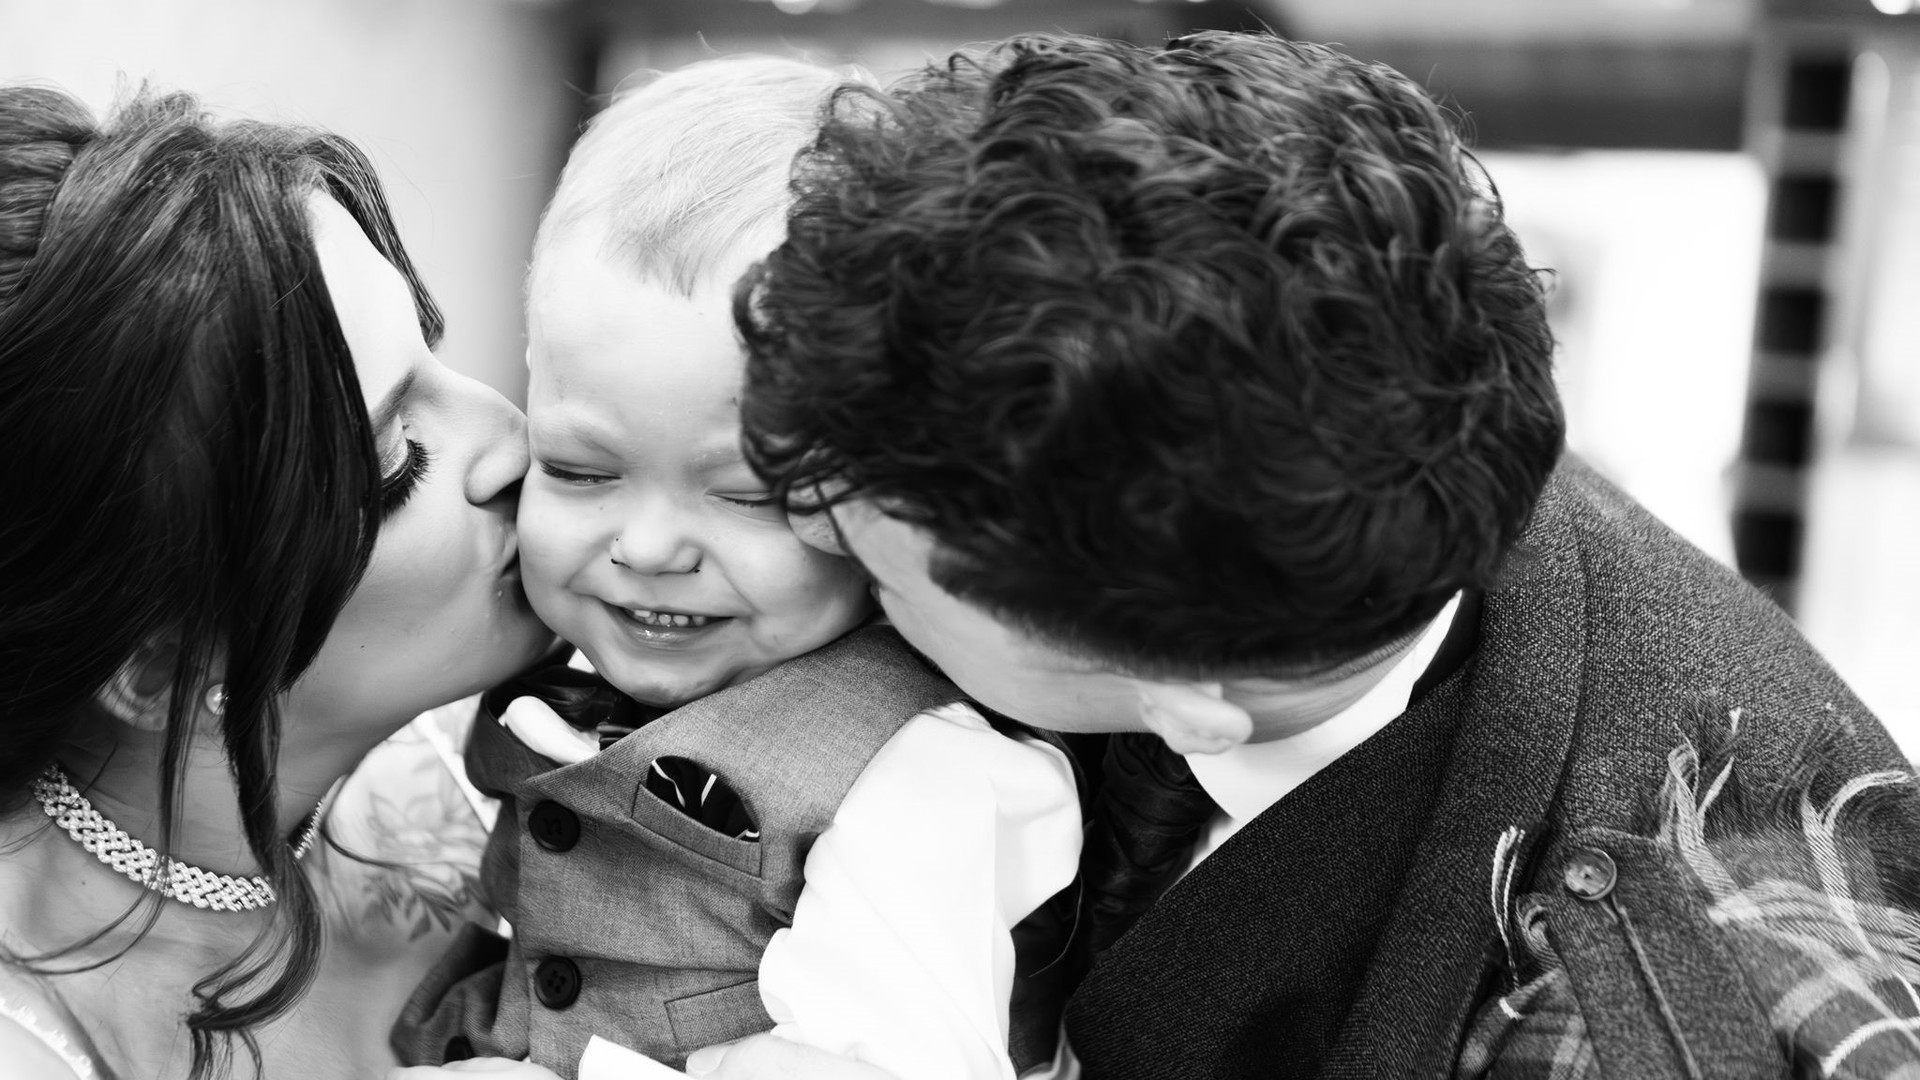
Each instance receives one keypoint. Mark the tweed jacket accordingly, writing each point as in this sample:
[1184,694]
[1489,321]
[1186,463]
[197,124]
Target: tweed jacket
[1352,930]
[632,920]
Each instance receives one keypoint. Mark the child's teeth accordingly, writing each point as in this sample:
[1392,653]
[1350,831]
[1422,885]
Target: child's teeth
[663,618]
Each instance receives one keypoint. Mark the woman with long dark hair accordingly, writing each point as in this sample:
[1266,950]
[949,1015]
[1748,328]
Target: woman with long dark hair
[249,526]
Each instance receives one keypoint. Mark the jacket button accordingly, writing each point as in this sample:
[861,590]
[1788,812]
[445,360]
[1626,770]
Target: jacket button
[459,1048]
[1590,873]
[553,826]
[556,982]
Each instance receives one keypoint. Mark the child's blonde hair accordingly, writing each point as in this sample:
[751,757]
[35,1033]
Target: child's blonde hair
[675,175]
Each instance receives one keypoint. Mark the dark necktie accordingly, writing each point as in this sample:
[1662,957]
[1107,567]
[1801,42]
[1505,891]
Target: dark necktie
[589,703]
[1149,813]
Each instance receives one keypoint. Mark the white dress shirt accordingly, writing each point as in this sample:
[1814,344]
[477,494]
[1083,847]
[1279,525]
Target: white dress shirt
[1251,777]
[901,951]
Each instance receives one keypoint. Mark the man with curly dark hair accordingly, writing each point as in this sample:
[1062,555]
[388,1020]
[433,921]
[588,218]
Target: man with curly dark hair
[1201,396]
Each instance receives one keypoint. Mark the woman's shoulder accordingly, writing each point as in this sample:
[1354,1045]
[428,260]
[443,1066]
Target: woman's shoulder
[404,836]
[37,1037]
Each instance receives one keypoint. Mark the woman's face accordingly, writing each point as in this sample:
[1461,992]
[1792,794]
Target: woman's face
[440,613]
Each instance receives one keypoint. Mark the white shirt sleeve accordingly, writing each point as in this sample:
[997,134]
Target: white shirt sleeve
[901,953]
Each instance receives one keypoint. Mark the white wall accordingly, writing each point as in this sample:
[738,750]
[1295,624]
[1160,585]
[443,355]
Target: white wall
[462,104]
[1656,260]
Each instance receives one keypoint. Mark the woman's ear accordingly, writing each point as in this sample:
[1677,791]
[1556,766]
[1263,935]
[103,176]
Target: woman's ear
[140,694]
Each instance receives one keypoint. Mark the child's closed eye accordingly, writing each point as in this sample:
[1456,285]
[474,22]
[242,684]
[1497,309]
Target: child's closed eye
[571,476]
[756,503]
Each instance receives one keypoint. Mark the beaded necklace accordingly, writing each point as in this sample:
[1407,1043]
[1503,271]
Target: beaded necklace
[132,859]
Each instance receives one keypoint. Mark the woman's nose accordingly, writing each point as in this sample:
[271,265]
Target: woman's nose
[501,460]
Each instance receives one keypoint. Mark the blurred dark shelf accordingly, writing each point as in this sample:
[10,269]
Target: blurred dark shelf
[1581,95]
[1528,94]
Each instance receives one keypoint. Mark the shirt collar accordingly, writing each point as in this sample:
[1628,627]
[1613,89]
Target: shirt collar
[1251,777]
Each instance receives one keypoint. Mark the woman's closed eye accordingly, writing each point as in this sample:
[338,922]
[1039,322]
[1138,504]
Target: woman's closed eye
[398,487]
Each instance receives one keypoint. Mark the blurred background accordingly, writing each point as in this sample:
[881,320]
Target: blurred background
[1728,192]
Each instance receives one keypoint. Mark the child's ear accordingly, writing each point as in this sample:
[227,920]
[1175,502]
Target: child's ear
[1193,718]
[817,530]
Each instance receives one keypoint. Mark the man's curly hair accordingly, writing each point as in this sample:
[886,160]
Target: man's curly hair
[1216,357]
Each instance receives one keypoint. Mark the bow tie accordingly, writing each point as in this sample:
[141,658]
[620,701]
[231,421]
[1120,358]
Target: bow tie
[568,715]
[584,700]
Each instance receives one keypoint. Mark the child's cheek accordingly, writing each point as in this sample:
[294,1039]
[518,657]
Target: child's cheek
[545,558]
[839,587]
[548,599]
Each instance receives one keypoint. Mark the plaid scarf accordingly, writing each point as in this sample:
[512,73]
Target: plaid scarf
[1795,898]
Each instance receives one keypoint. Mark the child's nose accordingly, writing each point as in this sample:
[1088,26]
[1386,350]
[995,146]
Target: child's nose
[655,547]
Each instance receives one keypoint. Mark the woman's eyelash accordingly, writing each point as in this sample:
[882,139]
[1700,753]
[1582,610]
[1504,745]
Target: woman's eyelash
[753,501]
[395,490]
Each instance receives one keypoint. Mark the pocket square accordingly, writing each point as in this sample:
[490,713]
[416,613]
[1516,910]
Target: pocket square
[697,792]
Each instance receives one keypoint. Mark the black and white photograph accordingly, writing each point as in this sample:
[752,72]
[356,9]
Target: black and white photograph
[959,539]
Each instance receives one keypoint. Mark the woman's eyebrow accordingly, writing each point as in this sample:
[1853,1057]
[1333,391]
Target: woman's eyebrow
[389,407]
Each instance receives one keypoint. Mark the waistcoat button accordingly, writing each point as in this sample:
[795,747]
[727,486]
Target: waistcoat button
[1590,873]
[556,982]
[553,826]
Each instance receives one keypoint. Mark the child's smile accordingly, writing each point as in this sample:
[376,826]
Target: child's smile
[664,629]
[670,620]
[646,540]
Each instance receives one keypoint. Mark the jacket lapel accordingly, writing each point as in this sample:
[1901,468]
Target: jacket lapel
[1247,966]
[1516,730]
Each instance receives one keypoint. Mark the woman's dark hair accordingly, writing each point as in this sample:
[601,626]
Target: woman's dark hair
[1207,358]
[188,454]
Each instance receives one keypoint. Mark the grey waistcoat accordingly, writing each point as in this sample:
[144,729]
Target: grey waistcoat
[661,920]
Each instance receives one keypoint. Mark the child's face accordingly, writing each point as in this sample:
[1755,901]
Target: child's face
[644,538]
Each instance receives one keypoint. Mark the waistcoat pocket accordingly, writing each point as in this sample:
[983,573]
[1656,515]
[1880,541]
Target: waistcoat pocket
[717,1016]
[671,823]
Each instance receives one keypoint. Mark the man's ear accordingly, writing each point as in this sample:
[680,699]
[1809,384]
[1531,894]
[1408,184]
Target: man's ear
[1193,718]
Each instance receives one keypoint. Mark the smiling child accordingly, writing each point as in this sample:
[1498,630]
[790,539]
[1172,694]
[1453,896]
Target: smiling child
[759,806]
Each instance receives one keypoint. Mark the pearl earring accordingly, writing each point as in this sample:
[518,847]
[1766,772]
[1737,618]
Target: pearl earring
[217,699]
